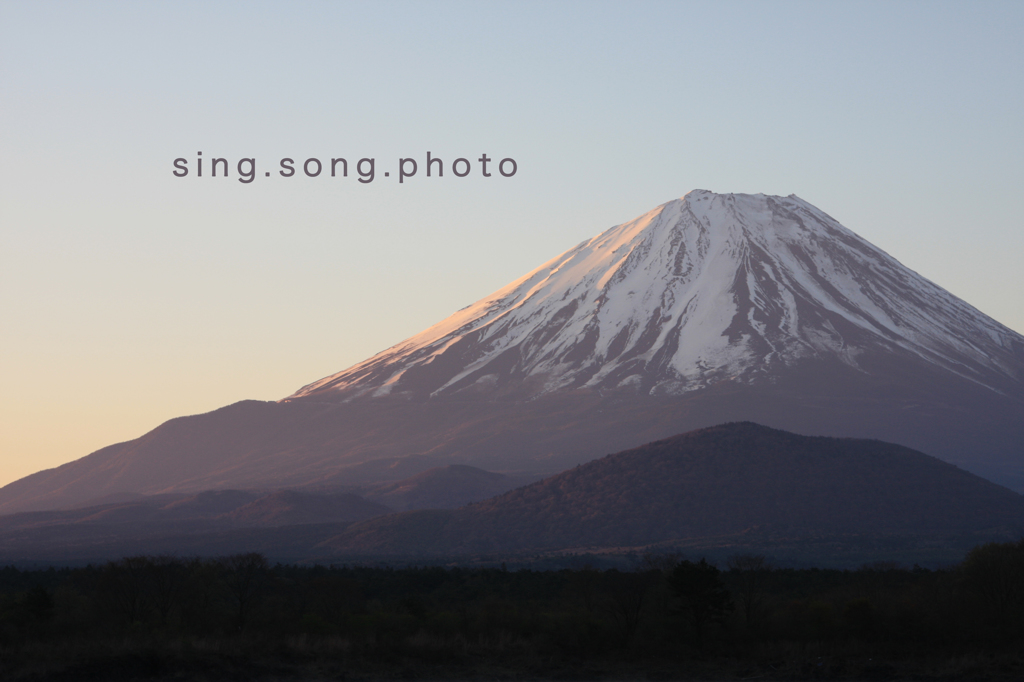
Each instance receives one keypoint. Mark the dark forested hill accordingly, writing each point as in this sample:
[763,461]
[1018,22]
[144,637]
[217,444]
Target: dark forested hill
[717,481]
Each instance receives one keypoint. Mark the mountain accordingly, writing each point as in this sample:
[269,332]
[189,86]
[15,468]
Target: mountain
[710,308]
[704,289]
[210,522]
[290,507]
[721,481]
[443,488]
[205,510]
[215,521]
[733,488]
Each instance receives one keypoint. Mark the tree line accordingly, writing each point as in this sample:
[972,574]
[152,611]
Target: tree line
[668,609]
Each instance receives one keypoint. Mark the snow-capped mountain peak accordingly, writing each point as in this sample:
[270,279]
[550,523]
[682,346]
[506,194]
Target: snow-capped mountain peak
[702,289]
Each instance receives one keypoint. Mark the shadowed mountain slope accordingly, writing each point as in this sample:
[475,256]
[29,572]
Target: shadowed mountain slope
[207,511]
[288,507]
[443,488]
[717,481]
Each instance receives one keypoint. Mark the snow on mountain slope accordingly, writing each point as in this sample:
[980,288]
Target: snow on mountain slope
[706,288]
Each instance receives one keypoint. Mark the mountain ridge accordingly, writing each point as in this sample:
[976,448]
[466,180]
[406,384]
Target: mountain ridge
[707,309]
[738,487]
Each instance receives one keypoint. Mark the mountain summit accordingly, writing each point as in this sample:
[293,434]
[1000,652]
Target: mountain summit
[702,289]
[711,308]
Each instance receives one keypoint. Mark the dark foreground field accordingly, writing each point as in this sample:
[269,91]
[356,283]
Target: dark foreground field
[237,618]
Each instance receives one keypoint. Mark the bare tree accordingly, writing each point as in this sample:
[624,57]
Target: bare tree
[702,596]
[626,599]
[166,578]
[203,580]
[995,573]
[125,581]
[583,587]
[751,572]
[245,575]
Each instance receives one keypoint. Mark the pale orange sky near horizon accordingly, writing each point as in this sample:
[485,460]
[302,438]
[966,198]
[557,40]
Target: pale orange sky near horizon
[130,297]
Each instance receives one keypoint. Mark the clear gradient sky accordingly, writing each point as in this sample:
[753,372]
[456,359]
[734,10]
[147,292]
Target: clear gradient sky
[129,296]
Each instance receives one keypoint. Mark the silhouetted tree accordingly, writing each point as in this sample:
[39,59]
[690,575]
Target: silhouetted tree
[166,576]
[995,573]
[202,593]
[35,609]
[750,571]
[245,575]
[583,586]
[125,586]
[626,595]
[701,594]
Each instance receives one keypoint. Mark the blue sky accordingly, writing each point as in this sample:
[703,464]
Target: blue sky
[130,296]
